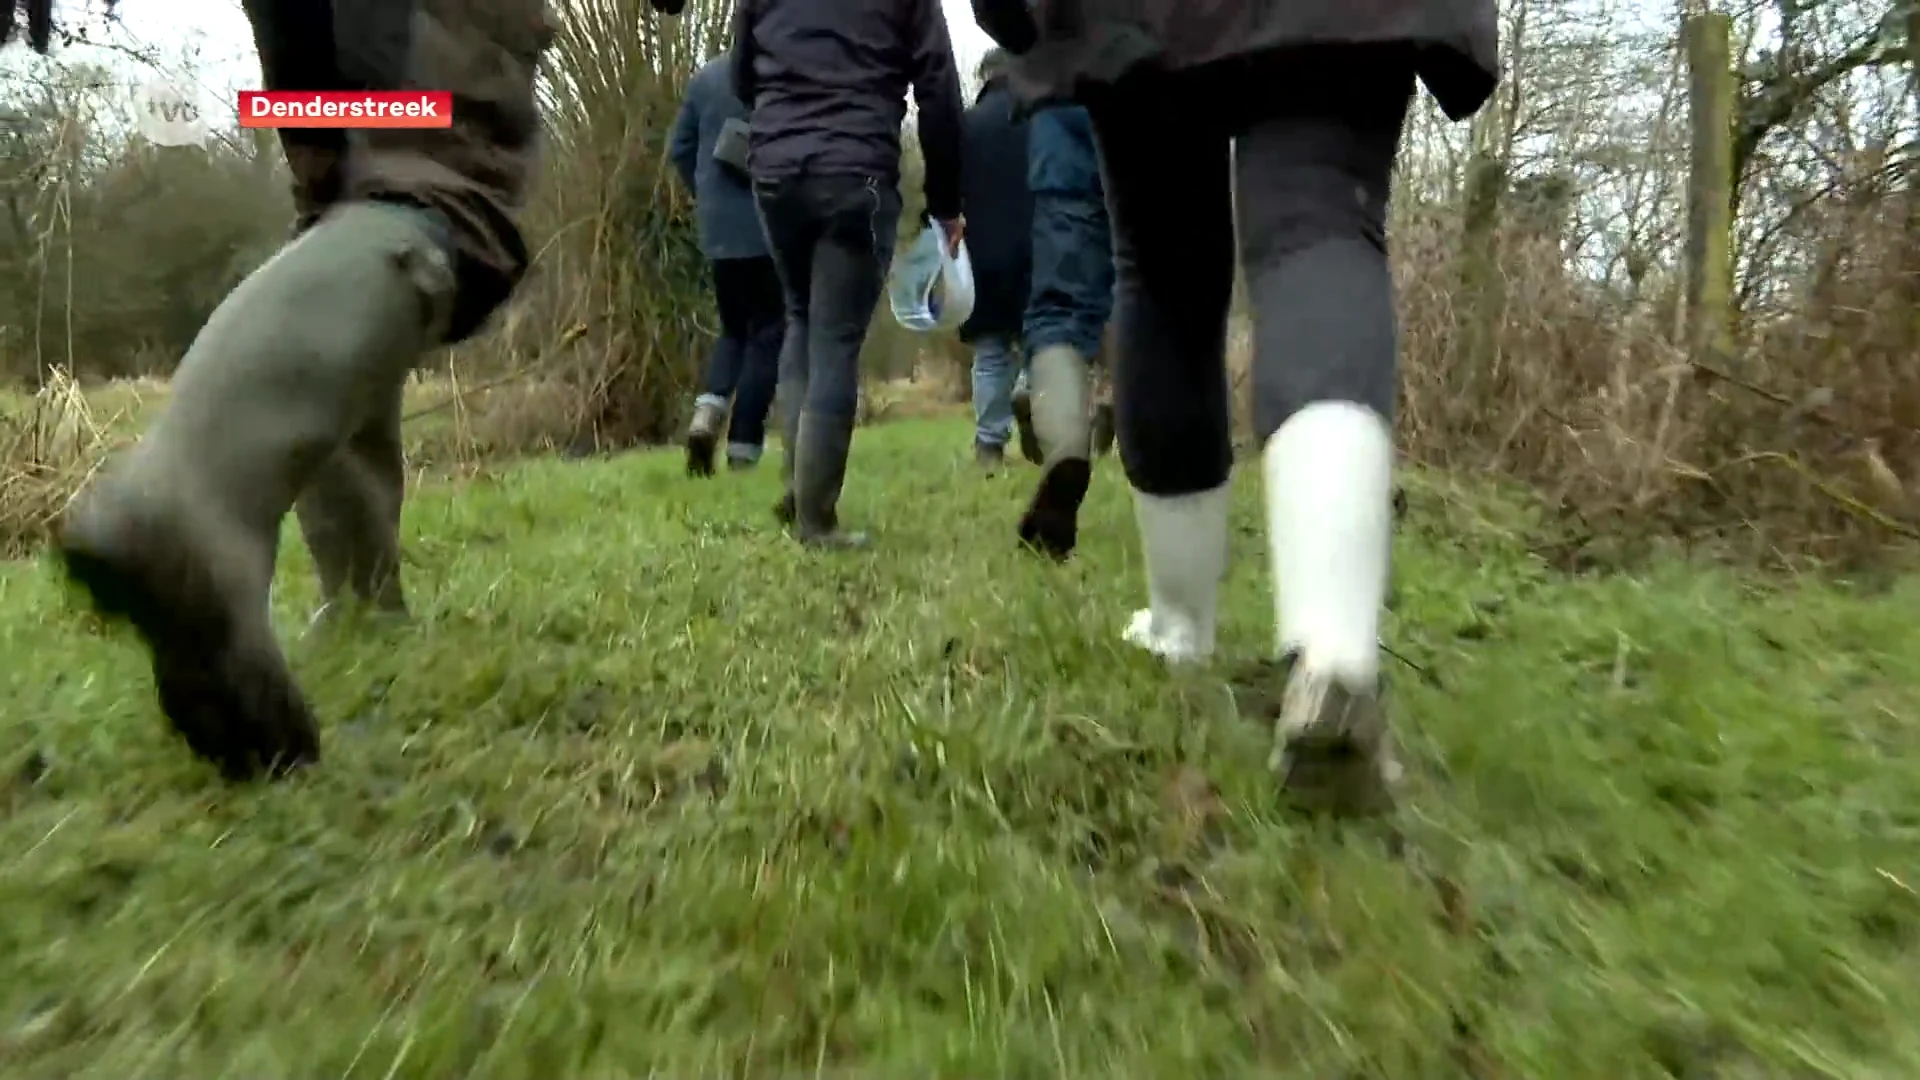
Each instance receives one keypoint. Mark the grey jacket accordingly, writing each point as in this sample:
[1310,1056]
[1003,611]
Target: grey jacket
[729,225]
[827,82]
[1069,46]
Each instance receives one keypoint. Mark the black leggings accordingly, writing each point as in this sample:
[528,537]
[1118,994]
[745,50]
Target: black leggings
[1308,143]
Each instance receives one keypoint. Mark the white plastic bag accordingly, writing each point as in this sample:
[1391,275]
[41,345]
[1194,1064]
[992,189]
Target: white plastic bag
[930,288]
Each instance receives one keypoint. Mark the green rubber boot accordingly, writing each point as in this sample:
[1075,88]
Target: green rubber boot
[1060,385]
[350,518]
[179,534]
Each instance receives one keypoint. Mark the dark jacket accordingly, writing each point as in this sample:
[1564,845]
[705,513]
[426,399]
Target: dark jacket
[999,213]
[1068,46]
[729,225]
[475,174]
[827,82]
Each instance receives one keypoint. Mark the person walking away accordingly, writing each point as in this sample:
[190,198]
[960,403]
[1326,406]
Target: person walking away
[1000,244]
[744,367]
[290,396]
[1297,109]
[1072,298]
[826,81]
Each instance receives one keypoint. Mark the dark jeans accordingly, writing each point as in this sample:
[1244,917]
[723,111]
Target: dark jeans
[832,239]
[1311,155]
[746,359]
[1073,274]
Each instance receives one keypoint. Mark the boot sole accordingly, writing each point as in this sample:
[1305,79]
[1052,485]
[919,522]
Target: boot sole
[1023,422]
[235,704]
[1337,769]
[700,453]
[1051,525]
[836,541]
[828,538]
[1337,778]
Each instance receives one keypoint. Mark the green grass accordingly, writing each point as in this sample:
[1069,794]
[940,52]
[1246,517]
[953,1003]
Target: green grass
[647,791]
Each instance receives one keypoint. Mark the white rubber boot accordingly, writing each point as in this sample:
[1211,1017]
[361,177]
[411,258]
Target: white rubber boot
[1329,495]
[1184,541]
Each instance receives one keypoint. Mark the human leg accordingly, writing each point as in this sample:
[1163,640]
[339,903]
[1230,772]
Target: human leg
[1072,292]
[760,364]
[407,240]
[860,218]
[1324,369]
[179,534]
[1022,406]
[1170,383]
[996,362]
[792,232]
[1071,298]
[349,515]
[724,365]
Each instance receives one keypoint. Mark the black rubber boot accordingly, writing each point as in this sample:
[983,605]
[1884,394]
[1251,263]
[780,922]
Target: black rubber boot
[789,397]
[820,471]
[703,437]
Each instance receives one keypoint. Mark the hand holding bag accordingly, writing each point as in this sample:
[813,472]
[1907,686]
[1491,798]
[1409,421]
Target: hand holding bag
[931,287]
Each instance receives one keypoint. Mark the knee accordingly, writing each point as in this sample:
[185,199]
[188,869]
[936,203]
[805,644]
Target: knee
[834,390]
[1272,413]
[1167,452]
[1166,471]
[1324,331]
[1303,206]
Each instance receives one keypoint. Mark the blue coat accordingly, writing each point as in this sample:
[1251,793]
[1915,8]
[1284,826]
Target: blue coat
[729,224]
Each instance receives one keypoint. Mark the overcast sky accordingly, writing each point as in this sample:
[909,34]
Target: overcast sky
[210,37]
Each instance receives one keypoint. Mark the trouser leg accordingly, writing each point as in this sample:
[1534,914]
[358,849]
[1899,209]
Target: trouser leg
[1170,383]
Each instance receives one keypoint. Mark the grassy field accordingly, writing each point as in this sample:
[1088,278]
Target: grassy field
[646,791]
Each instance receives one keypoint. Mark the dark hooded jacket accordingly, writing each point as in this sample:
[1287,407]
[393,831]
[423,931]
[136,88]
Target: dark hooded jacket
[1068,47]
[999,212]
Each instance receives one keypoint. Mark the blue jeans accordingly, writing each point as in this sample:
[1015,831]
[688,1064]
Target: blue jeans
[996,364]
[1073,276]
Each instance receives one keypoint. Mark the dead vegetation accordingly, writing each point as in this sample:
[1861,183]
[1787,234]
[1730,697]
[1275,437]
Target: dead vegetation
[1807,446]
